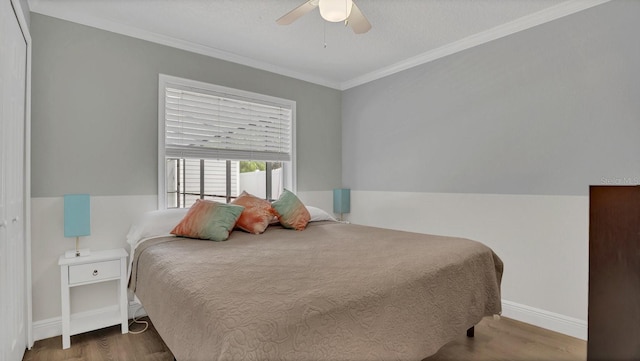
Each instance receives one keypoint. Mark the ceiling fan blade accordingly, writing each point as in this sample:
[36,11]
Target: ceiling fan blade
[359,24]
[294,14]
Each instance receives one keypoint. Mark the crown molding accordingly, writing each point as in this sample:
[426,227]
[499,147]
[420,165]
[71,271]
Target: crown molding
[69,14]
[552,13]
[523,23]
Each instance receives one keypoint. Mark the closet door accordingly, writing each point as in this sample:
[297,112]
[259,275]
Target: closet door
[13,59]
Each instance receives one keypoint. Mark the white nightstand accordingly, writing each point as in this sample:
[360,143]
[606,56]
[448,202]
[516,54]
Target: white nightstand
[100,266]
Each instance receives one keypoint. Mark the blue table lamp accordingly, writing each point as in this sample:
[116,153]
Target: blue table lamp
[77,221]
[341,201]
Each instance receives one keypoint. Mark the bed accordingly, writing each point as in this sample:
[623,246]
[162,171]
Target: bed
[334,291]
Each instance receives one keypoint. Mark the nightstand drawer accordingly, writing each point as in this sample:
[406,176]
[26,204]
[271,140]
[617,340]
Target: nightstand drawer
[94,271]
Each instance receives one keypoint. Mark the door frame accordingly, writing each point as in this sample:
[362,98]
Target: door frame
[24,27]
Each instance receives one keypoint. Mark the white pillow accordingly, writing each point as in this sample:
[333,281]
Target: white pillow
[155,223]
[318,214]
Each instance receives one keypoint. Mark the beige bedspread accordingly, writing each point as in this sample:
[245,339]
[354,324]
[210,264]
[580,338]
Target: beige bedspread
[331,292]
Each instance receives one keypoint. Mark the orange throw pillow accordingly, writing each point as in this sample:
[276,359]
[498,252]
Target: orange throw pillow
[257,213]
[208,220]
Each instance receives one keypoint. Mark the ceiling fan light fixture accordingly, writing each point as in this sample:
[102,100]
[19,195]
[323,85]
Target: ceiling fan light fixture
[335,10]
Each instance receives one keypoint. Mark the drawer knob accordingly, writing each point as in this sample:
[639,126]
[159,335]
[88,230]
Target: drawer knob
[95,272]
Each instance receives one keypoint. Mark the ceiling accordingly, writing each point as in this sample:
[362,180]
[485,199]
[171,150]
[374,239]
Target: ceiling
[405,33]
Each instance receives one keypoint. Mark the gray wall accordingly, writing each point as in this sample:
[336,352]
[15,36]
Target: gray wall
[95,110]
[546,111]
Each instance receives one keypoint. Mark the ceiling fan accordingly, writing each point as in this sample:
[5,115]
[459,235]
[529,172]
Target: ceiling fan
[333,11]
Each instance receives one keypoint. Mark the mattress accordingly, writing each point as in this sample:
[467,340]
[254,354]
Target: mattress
[334,291]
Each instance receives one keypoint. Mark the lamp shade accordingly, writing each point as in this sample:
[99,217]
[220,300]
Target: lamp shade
[77,215]
[335,10]
[341,200]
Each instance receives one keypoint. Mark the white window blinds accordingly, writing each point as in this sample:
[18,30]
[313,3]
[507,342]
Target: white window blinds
[214,124]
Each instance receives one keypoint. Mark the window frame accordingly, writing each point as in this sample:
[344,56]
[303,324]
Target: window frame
[288,169]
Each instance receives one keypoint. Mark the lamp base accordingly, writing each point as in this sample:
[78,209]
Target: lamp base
[79,253]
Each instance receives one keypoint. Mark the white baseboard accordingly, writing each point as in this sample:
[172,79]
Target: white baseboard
[552,321]
[52,327]
[545,319]
[47,328]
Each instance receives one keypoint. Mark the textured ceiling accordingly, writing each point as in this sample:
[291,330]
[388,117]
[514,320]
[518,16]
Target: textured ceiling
[404,33]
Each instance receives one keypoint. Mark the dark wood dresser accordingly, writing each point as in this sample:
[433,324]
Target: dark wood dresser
[614,273]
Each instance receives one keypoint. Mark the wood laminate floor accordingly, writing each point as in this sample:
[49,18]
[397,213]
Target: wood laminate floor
[495,339]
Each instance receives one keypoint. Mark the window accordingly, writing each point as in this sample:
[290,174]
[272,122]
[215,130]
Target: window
[215,142]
